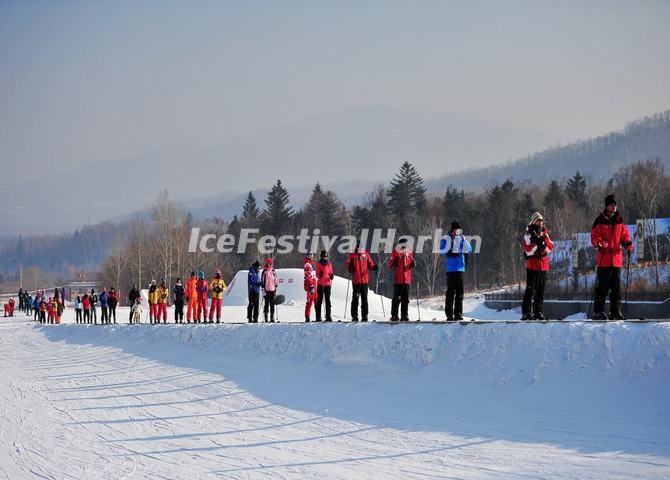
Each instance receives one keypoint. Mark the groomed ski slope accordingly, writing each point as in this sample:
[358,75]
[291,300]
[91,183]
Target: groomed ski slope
[542,401]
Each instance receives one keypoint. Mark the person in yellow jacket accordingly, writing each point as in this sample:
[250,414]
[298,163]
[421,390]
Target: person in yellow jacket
[153,301]
[217,287]
[162,293]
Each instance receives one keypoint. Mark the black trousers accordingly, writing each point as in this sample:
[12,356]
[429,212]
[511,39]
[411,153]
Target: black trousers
[533,297]
[359,290]
[269,304]
[104,318]
[453,305]
[400,298]
[252,308]
[178,311]
[323,292]
[78,316]
[94,314]
[112,312]
[609,280]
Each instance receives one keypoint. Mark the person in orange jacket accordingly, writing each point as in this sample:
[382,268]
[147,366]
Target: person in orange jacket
[402,263]
[191,297]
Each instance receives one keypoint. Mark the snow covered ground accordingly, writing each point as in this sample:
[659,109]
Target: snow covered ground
[542,401]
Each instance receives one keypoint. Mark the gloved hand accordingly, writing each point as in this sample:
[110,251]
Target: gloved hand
[331,276]
[603,244]
[374,267]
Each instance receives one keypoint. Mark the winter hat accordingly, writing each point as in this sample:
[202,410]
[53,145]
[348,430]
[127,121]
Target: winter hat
[269,261]
[256,264]
[201,275]
[610,200]
[455,225]
[403,240]
[324,254]
[536,216]
[193,274]
[218,274]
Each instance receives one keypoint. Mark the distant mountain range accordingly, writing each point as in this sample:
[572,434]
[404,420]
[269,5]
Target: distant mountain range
[598,157]
[348,152]
[358,146]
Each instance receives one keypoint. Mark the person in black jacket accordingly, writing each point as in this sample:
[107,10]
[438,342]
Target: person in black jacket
[179,295]
[133,295]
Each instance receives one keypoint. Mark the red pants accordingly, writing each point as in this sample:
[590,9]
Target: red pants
[202,309]
[161,310]
[153,311]
[311,298]
[6,309]
[216,304]
[192,308]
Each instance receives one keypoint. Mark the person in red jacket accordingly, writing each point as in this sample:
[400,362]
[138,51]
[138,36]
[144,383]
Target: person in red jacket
[324,278]
[310,289]
[609,234]
[536,245]
[402,263]
[202,288]
[358,264]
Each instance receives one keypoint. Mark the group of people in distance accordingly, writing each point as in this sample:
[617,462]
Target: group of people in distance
[85,306]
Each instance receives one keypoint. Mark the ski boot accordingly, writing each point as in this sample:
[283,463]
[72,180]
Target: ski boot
[539,316]
[600,316]
[616,316]
[458,317]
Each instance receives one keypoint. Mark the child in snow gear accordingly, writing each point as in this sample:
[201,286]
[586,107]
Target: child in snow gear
[112,301]
[178,298]
[269,283]
[133,295]
[136,311]
[536,246]
[324,277]
[402,263]
[51,310]
[201,288]
[358,264]
[191,297]
[218,286]
[254,288]
[309,285]
[455,248]
[609,234]
[162,293]
[153,301]
[43,310]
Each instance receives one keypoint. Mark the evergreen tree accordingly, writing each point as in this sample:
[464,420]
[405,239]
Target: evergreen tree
[407,195]
[575,189]
[325,211]
[278,213]
[250,211]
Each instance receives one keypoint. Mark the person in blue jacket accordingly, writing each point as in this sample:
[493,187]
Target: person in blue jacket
[254,284]
[104,314]
[456,248]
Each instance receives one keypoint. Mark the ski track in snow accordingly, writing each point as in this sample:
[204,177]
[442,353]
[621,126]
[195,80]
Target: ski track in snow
[334,401]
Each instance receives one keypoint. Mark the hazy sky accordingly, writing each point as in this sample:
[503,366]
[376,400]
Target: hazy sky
[84,81]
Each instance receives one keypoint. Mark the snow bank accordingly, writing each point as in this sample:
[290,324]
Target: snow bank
[494,354]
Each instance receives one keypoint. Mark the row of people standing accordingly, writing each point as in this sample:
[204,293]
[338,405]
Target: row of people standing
[85,306]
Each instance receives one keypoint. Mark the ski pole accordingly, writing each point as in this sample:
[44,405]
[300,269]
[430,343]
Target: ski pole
[627,280]
[418,310]
[593,297]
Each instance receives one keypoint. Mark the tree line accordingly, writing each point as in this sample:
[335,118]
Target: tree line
[157,247]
